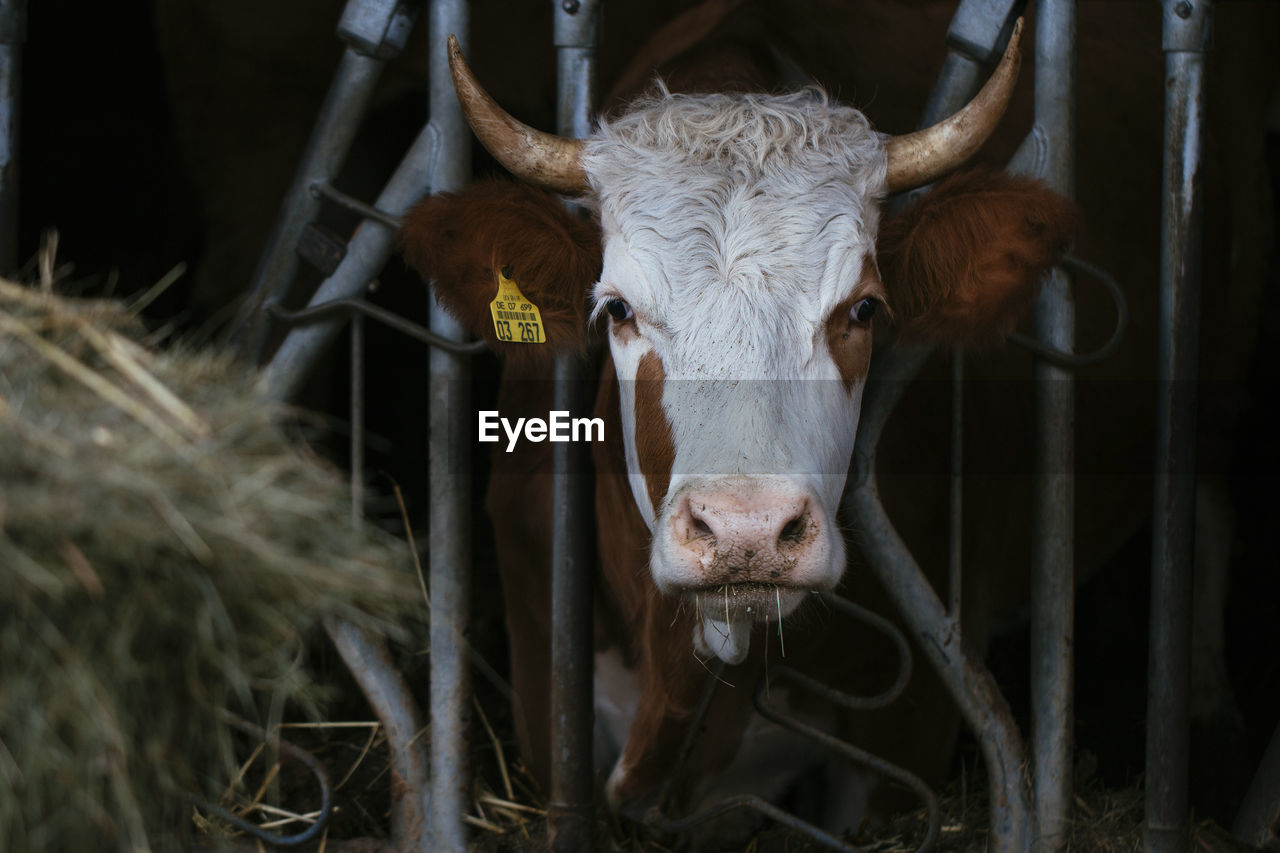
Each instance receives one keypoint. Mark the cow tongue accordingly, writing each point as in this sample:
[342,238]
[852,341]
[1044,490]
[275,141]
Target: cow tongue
[728,641]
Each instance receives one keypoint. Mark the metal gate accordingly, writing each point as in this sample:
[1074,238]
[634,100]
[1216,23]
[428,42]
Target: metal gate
[1029,810]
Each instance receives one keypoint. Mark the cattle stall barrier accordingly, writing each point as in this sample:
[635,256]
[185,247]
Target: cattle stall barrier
[1187,37]
[427,795]
[576,29]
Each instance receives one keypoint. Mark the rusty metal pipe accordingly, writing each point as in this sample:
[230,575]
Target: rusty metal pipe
[1188,27]
[365,654]
[449,573]
[571,813]
[1053,532]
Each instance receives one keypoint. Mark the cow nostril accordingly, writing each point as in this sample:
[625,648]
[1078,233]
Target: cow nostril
[793,530]
[701,528]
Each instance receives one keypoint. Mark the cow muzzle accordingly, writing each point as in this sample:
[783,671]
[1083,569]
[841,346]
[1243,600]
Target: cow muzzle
[744,552]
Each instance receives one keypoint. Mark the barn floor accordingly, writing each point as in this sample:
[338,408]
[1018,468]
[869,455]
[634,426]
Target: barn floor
[1106,820]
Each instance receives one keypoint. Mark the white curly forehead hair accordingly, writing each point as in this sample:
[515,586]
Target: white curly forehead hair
[750,211]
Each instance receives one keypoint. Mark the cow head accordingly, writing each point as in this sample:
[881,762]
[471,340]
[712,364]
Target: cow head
[740,273]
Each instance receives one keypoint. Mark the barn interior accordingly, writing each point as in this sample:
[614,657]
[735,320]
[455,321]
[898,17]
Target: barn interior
[157,139]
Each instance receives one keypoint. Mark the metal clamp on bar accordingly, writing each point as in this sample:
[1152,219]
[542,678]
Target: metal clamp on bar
[577,24]
[377,28]
[978,34]
[1188,26]
[1072,361]
[975,21]
[297,753]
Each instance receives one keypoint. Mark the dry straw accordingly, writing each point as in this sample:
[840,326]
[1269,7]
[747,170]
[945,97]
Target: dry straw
[164,548]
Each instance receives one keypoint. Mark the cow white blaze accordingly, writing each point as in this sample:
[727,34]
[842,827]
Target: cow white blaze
[739,273]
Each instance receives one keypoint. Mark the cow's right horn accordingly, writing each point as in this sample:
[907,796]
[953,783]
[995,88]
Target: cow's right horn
[544,159]
[918,158]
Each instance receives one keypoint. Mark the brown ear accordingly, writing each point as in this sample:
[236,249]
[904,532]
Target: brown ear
[963,263]
[458,241]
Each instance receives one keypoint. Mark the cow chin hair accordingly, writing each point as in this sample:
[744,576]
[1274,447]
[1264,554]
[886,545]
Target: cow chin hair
[457,241]
[964,263]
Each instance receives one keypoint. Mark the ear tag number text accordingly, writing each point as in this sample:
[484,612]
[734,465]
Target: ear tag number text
[515,318]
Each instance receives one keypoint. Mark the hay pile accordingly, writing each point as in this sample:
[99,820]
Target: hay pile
[164,551]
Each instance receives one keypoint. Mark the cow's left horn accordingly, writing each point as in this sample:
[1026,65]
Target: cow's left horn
[549,161]
[924,156]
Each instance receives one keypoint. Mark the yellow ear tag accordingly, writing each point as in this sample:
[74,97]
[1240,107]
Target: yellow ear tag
[515,318]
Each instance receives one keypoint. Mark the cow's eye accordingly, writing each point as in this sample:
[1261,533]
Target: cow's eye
[863,310]
[619,310]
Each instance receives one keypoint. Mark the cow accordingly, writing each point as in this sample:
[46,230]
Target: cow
[737,264]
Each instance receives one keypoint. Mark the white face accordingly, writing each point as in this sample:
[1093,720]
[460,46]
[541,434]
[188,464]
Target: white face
[739,279]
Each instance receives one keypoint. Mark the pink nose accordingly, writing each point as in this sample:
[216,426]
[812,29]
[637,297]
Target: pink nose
[745,536]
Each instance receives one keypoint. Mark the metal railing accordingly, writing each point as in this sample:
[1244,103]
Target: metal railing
[1027,811]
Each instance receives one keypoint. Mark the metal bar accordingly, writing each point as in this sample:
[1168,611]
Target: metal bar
[969,682]
[906,662]
[375,31]
[887,769]
[1187,36]
[978,28]
[365,654]
[355,205]
[334,132]
[1258,823]
[1053,530]
[368,250]
[298,754]
[13,32]
[760,806]
[357,417]
[966,678]
[450,467]
[1074,360]
[955,554]
[383,316]
[570,812]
